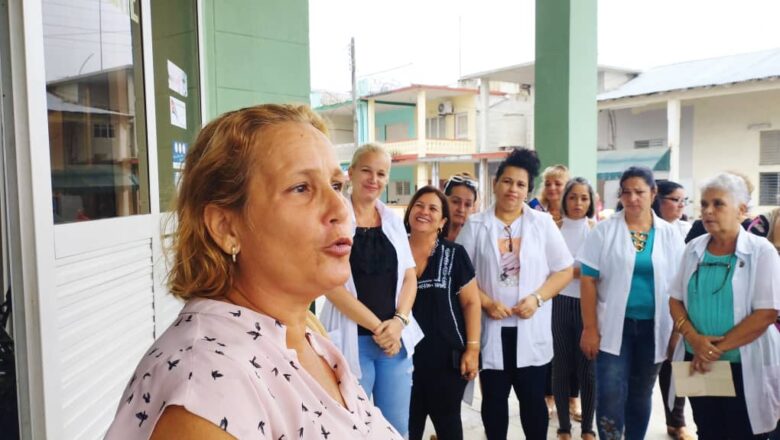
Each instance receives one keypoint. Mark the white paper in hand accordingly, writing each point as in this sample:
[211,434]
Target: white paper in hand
[716,382]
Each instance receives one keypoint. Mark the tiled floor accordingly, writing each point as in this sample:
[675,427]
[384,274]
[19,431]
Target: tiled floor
[472,423]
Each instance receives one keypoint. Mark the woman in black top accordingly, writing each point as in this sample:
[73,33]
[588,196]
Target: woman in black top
[447,308]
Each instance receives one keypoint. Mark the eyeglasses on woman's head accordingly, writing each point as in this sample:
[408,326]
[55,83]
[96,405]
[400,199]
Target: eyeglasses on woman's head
[460,180]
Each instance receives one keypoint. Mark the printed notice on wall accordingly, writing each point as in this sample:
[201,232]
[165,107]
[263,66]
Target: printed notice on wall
[179,150]
[178,113]
[177,79]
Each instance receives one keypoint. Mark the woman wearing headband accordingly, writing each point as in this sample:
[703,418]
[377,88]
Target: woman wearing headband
[461,191]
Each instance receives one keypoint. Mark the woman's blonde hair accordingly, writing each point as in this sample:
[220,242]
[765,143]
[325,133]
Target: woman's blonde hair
[553,171]
[217,171]
[368,148]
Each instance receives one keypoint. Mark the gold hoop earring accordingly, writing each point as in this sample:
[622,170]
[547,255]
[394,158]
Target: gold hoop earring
[233,253]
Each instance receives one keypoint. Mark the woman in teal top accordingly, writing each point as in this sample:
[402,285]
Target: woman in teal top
[724,301]
[627,264]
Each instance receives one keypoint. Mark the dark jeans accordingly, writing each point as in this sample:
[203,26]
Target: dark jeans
[528,383]
[436,393]
[676,417]
[724,418]
[624,384]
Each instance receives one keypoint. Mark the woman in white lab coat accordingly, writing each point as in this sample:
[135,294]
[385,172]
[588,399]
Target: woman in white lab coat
[521,262]
[627,264]
[724,301]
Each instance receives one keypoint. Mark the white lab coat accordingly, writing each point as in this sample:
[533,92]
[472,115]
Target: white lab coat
[542,253]
[609,250]
[343,331]
[756,285]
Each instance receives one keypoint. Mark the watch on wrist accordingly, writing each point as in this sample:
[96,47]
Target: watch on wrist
[403,318]
[539,299]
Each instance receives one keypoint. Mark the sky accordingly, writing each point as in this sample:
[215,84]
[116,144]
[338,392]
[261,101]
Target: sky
[437,41]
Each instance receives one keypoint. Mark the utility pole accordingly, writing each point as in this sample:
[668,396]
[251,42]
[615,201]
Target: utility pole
[355,137]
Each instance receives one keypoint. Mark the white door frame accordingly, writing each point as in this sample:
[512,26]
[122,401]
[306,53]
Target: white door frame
[39,240]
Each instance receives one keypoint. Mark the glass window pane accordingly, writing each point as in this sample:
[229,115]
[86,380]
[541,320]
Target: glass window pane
[94,85]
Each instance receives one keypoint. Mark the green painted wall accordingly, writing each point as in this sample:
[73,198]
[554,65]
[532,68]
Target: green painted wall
[401,115]
[565,113]
[400,173]
[255,52]
[174,39]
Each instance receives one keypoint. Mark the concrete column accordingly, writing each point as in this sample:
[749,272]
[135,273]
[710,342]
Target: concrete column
[485,186]
[673,115]
[421,111]
[484,116]
[565,111]
[422,176]
[435,174]
[371,120]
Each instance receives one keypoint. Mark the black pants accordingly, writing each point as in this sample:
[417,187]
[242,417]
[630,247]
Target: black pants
[570,361]
[436,393]
[724,418]
[676,417]
[528,383]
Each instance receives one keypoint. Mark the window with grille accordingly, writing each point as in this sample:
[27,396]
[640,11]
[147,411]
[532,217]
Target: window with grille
[435,128]
[462,126]
[769,189]
[770,147]
[647,143]
[103,130]
[403,188]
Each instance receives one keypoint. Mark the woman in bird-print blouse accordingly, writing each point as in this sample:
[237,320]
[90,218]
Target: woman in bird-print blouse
[262,230]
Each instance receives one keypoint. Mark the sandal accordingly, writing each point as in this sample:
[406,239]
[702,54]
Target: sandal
[679,433]
[550,401]
[575,412]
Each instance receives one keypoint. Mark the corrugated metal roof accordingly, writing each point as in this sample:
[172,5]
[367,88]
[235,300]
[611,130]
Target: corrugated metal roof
[701,73]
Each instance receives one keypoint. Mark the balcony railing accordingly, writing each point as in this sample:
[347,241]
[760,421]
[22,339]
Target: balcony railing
[432,146]
[449,147]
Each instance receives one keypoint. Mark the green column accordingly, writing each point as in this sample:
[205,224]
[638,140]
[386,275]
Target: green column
[565,110]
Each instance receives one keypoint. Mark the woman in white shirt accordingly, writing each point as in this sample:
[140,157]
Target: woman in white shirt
[503,241]
[725,299]
[669,204]
[369,318]
[627,264]
[577,208]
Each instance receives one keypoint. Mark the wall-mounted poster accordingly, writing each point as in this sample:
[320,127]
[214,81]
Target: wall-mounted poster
[178,113]
[177,79]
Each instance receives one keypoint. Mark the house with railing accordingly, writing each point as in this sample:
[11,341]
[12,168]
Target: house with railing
[431,132]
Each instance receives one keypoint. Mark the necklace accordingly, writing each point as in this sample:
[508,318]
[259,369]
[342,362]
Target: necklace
[433,249]
[639,240]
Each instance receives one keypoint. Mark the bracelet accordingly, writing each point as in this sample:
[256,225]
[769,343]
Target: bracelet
[539,299]
[472,342]
[404,320]
[680,323]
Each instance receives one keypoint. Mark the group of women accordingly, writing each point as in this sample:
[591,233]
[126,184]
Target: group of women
[418,307]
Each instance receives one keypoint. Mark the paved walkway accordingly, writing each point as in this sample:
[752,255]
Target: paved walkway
[472,423]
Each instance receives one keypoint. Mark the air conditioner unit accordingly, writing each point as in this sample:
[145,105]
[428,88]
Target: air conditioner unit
[445,108]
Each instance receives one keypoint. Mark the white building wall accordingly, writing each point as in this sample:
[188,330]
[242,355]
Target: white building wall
[723,139]
[645,123]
